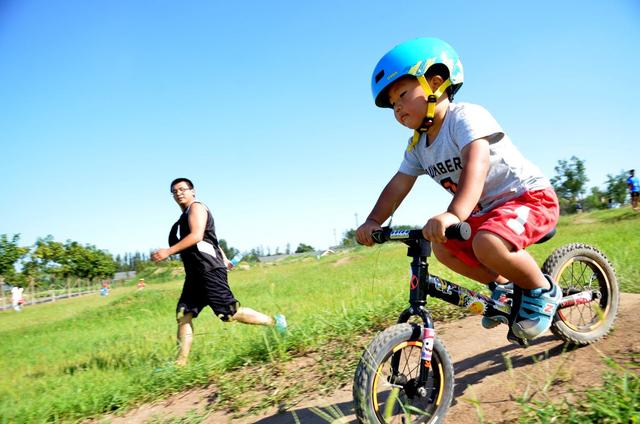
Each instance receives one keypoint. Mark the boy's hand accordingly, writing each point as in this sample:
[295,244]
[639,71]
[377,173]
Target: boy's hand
[434,228]
[363,234]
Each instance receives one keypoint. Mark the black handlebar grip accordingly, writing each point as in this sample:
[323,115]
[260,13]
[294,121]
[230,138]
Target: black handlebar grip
[378,236]
[459,231]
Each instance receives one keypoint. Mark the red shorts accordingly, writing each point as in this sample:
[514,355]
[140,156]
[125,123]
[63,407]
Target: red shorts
[521,221]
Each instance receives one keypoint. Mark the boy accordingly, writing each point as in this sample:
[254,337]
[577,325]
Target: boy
[205,266]
[506,200]
[634,189]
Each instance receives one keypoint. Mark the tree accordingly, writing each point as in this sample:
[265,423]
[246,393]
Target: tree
[596,200]
[617,187]
[230,252]
[10,253]
[48,258]
[303,248]
[89,262]
[569,183]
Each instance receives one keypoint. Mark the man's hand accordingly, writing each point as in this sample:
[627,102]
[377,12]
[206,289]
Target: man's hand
[228,263]
[363,234]
[434,228]
[160,255]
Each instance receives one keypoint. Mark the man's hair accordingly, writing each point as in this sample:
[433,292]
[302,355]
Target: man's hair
[179,180]
[632,171]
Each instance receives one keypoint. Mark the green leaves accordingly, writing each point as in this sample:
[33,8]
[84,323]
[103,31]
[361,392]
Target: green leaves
[10,253]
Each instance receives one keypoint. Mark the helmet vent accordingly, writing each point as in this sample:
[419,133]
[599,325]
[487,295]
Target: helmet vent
[379,76]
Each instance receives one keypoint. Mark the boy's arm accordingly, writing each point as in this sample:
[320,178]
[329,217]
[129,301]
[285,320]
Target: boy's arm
[475,157]
[197,224]
[392,195]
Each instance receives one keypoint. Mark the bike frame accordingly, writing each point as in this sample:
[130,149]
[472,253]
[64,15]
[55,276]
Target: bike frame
[423,284]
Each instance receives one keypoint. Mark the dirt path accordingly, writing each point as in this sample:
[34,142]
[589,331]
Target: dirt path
[483,382]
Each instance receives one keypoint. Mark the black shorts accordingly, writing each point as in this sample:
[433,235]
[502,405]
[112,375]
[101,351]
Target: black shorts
[210,288]
[635,194]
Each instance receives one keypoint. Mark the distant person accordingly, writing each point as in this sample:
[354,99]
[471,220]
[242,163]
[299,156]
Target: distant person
[16,298]
[141,284]
[506,200]
[634,188]
[578,207]
[104,290]
[205,266]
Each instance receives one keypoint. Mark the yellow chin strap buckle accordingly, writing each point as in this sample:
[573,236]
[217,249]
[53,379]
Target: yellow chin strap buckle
[432,100]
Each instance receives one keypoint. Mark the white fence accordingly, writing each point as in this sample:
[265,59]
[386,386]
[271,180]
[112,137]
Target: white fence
[34,296]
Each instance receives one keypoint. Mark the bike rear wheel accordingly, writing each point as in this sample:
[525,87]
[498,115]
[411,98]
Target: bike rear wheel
[576,268]
[383,394]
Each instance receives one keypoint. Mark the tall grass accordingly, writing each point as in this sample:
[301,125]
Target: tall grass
[617,400]
[80,357]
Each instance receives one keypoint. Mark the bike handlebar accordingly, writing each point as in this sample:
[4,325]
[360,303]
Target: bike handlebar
[459,231]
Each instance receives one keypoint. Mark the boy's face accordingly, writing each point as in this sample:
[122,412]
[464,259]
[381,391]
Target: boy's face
[408,101]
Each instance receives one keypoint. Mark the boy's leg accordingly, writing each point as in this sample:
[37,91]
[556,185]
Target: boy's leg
[185,338]
[539,299]
[496,253]
[479,273]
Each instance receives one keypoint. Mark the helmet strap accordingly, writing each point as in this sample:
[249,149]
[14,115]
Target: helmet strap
[432,100]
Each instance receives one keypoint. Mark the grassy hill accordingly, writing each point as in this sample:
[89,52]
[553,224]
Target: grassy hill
[81,357]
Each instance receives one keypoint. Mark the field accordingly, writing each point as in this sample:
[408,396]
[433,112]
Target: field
[82,357]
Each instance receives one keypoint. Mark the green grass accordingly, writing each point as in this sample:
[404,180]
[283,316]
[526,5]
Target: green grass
[617,400]
[82,357]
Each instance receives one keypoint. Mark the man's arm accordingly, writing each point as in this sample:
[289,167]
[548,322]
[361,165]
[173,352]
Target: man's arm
[197,224]
[392,195]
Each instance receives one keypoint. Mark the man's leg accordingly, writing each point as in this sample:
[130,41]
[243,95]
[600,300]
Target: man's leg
[185,337]
[250,316]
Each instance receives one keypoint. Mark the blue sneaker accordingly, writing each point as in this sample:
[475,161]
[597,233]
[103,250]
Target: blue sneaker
[500,293]
[536,311]
[281,323]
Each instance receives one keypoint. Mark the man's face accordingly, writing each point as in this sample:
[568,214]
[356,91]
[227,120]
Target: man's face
[182,194]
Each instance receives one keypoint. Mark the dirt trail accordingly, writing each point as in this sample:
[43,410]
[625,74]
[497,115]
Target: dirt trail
[483,382]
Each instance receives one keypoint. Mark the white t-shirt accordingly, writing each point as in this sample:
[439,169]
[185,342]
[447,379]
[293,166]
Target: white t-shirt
[16,294]
[510,175]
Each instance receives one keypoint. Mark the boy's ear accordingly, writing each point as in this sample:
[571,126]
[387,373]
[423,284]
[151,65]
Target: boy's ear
[435,82]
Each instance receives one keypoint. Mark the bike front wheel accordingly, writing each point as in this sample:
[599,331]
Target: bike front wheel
[385,384]
[577,268]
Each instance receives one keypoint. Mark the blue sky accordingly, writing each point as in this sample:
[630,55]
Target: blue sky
[266,106]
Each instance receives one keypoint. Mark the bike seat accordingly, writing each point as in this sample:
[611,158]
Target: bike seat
[547,236]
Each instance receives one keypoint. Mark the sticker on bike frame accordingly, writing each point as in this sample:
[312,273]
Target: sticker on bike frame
[414,282]
[442,286]
[428,337]
[399,234]
[576,299]
[473,303]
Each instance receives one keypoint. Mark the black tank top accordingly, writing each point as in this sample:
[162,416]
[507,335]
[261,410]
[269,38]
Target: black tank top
[204,256]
